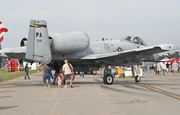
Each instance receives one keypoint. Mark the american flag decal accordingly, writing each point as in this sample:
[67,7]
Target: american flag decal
[3,30]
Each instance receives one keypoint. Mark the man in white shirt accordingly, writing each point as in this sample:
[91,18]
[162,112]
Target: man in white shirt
[158,65]
[67,71]
[175,67]
[163,66]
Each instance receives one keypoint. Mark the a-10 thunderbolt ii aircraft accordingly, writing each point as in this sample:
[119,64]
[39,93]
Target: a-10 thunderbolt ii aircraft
[80,51]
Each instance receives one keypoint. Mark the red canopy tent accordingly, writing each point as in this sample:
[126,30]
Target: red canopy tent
[173,59]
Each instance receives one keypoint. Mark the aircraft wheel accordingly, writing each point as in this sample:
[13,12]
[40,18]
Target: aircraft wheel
[137,78]
[108,79]
[94,72]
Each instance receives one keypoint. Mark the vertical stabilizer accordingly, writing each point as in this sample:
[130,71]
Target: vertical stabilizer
[38,46]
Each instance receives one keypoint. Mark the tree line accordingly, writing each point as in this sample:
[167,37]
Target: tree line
[170,55]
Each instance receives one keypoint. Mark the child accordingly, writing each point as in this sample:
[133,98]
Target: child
[62,77]
[59,80]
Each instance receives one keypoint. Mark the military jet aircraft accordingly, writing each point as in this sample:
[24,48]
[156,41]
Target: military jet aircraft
[76,47]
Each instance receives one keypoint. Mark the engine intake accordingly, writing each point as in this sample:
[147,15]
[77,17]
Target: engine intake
[23,42]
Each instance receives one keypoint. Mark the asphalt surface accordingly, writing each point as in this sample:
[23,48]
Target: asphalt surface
[154,95]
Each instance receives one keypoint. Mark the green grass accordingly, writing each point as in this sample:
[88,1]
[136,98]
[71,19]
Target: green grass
[128,77]
[5,75]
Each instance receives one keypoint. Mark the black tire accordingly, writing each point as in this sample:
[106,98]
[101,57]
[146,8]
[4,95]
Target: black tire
[94,72]
[137,78]
[108,79]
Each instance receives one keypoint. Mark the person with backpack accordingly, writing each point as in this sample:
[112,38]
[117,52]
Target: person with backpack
[67,70]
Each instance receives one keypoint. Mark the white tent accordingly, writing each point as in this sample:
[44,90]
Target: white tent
[165,59]
[31,67]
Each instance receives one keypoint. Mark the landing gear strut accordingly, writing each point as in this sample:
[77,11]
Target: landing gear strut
[136,72]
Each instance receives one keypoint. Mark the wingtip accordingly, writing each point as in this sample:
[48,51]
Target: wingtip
[169,47]
[173,47]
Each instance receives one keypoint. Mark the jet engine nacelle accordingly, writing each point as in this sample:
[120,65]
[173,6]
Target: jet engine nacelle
[70,42]
[66,42]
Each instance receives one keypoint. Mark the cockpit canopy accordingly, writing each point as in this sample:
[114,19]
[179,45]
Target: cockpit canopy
[135,40]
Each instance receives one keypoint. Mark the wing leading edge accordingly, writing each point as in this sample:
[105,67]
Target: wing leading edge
[146,50]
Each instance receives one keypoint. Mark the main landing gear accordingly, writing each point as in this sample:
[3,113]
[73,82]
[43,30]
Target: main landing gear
[136,72]
[108,79]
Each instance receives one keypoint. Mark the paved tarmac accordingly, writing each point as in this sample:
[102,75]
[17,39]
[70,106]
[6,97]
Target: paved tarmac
[154,95]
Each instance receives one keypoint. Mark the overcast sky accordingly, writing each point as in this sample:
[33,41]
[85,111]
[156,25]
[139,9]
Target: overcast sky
[155,21]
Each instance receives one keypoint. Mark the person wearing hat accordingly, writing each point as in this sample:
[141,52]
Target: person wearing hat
[67,71]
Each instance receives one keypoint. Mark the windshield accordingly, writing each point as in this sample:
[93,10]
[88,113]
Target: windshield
[135,40]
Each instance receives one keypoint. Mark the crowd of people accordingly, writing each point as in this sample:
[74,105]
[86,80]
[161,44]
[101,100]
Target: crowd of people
[61,75]
[163,67]
[65,74]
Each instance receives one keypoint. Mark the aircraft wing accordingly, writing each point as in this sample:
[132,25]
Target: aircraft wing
[146,51]
[16,52]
